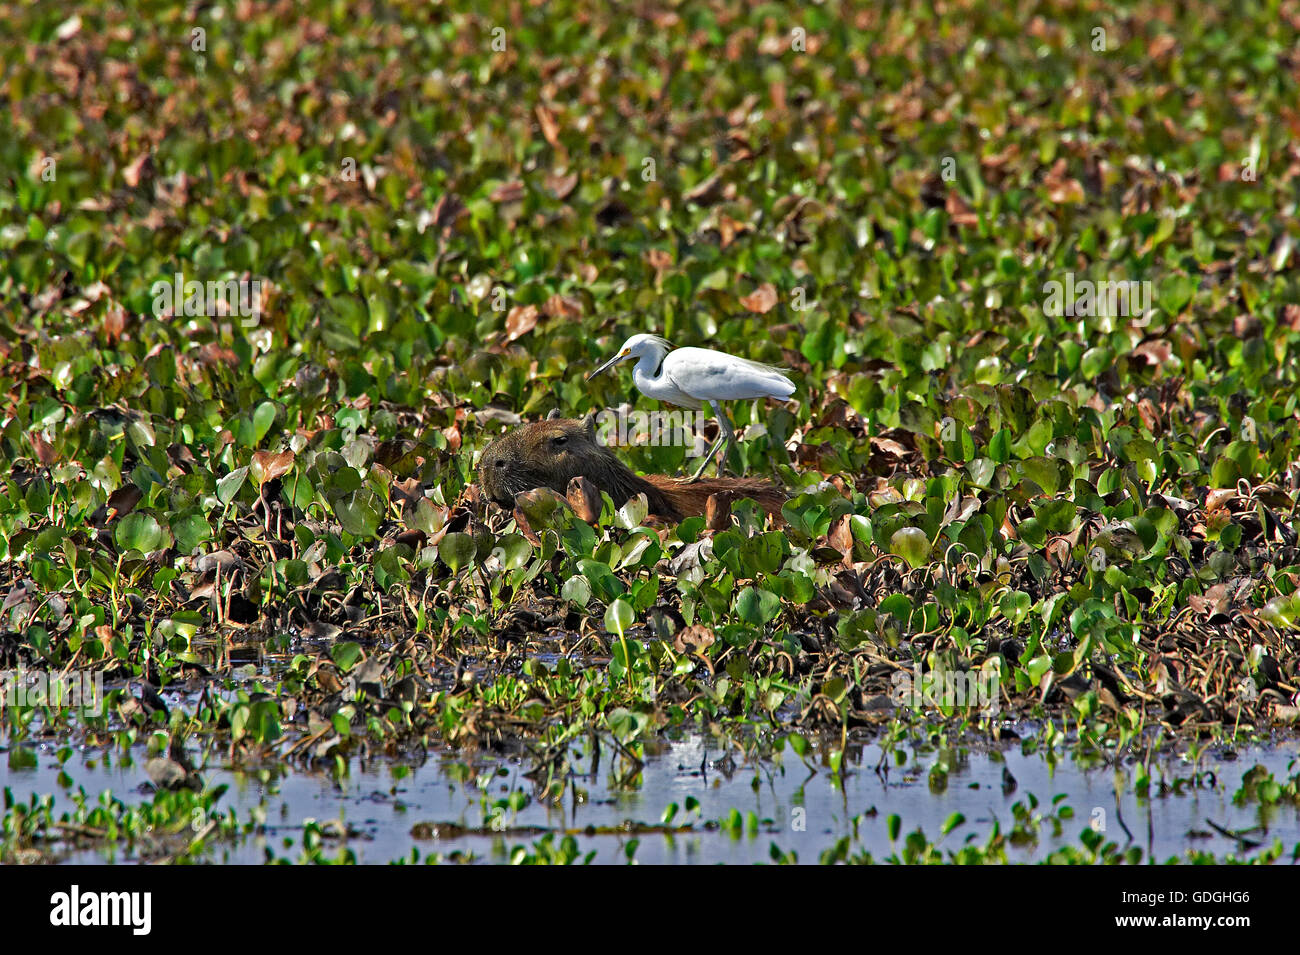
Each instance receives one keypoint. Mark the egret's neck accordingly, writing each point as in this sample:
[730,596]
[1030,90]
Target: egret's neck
[648,369]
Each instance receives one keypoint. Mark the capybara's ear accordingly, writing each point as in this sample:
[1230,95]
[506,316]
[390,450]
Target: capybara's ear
[555,413]
[589,424]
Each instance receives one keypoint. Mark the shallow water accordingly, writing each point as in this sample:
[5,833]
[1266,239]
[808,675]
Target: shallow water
[795,808]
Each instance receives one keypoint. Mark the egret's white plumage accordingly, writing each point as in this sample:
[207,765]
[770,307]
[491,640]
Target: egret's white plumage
[691,377]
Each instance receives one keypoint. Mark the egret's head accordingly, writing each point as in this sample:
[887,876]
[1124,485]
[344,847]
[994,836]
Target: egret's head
[636,347]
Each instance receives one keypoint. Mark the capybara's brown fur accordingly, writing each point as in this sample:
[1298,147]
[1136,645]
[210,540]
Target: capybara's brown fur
[549,453]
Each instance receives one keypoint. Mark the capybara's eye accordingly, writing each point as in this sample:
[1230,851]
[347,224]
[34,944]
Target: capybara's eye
[559,440]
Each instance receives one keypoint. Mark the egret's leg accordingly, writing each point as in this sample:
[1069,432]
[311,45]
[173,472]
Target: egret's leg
[728,434]
[724,432]
[708,458]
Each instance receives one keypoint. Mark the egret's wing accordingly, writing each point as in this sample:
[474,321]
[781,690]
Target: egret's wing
[711,375]
[682,397]
[764,366]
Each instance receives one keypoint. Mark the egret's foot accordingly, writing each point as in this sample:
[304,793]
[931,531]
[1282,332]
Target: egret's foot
[699,472]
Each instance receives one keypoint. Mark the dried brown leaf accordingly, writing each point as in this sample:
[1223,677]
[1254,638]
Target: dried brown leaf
[762,300]
[521,320]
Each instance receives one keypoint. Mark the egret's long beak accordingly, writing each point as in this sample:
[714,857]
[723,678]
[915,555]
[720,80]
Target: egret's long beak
[609,364]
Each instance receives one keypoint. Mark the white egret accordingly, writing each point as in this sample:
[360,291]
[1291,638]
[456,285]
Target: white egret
[689,377]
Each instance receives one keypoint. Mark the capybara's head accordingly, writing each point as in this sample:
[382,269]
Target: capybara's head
[545,454]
